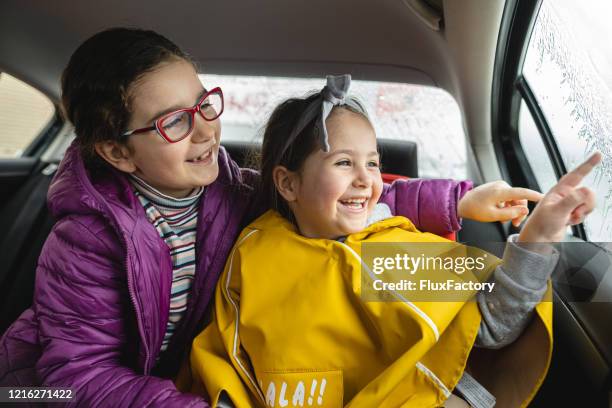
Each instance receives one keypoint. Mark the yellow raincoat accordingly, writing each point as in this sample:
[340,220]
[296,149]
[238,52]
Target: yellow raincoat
[291,329]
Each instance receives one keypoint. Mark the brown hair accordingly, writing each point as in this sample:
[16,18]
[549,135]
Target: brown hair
[98,78]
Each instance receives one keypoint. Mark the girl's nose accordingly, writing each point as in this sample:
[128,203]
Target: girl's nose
[203,130]
[362,177]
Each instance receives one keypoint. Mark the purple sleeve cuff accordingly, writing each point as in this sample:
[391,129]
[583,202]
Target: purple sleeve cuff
[430,204]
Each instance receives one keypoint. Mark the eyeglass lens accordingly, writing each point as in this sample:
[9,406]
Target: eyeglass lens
[177,126]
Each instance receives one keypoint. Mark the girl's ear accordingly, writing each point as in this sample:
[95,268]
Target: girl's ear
[286,182]
[117,155]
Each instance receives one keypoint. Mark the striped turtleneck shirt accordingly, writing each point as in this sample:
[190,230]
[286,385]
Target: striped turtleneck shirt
[175,219]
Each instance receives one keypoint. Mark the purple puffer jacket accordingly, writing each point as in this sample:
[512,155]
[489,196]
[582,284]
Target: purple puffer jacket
[103,282]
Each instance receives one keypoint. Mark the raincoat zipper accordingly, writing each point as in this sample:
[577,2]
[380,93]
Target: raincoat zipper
[131,290]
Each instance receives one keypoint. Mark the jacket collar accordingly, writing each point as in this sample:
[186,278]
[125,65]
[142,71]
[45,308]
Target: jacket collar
[273,221]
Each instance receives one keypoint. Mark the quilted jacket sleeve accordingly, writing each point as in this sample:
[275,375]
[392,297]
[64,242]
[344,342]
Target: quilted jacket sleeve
[82,301]
[430,204]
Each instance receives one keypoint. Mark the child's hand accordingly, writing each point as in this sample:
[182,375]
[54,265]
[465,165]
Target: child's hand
[565,204]
[497,201]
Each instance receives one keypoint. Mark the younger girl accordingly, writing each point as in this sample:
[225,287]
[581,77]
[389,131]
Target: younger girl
[291,327]
[148,207]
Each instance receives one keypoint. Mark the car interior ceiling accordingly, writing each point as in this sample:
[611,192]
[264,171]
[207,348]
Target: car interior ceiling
[406,50]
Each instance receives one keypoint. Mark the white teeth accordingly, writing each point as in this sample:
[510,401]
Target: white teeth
[201,157]
[355,201]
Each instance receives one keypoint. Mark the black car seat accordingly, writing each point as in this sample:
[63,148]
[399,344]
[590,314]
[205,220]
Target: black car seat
[399,157]
[26,224]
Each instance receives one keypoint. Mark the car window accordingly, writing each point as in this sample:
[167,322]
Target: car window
[427,115]
[24,114]
[536,150]
[568,67]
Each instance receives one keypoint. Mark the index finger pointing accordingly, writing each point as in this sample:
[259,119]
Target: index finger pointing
[574,177]
[520,193]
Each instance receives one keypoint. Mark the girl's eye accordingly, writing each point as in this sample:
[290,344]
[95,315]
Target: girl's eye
[173,121]
[343,163]
[373,164]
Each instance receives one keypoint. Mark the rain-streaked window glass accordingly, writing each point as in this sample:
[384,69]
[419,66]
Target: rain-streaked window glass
[24,113]
[569,68]
[426,115]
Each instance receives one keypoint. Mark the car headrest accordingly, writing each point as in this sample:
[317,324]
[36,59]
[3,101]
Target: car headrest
[398,157]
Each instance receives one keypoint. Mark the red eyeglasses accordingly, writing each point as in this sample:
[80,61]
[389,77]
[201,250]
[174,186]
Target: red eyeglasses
[177,125]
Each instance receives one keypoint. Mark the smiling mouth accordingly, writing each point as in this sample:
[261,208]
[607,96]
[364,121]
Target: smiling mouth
[204,157]
[355,204]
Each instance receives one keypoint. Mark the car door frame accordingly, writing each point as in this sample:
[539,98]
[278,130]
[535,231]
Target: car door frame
[582,335]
